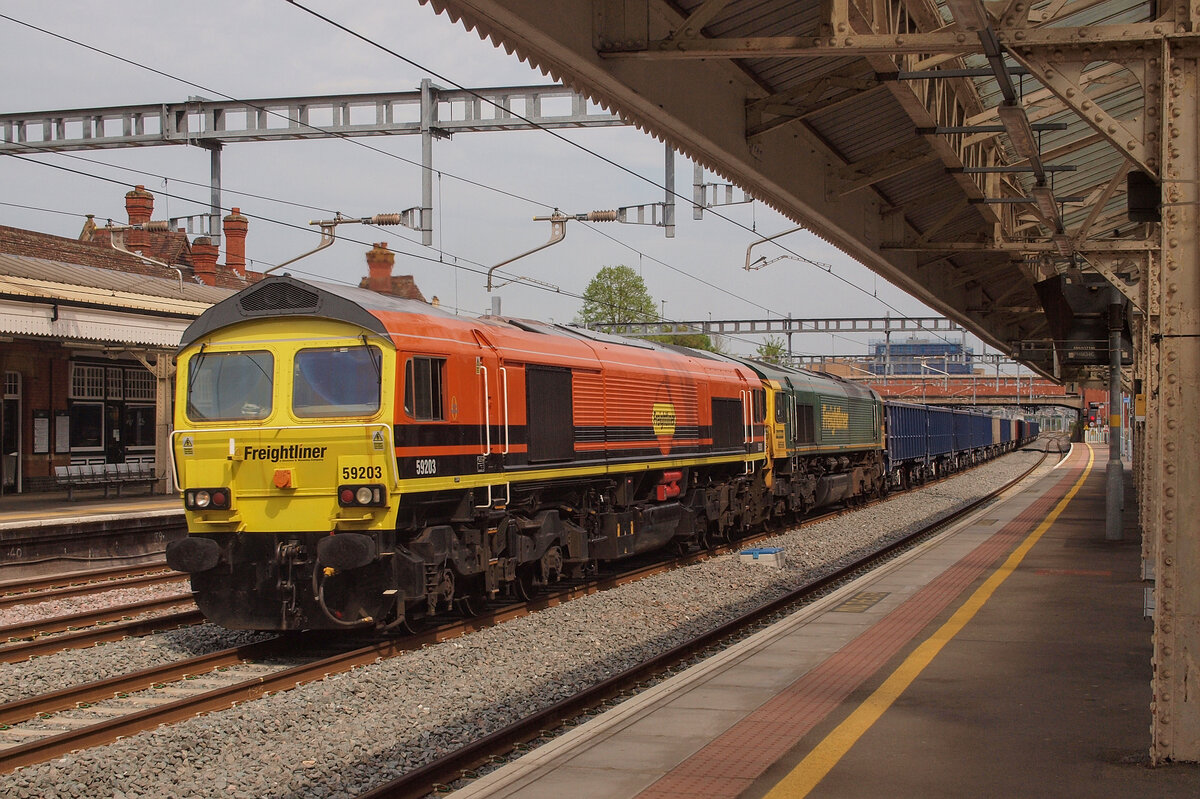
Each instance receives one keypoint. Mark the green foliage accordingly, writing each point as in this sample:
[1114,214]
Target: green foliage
[616,296]
[697,341]
[772,350]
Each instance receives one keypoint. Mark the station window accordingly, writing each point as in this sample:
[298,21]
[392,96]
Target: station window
[138,426]
[87,425]
[226,386]
[87,382]
[114,383]
[139,384]
[337,381]
[423,393]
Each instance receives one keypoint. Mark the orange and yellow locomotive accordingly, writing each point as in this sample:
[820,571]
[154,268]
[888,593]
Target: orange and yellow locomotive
[348,459]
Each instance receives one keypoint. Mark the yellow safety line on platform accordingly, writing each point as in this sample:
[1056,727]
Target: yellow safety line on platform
[821,760]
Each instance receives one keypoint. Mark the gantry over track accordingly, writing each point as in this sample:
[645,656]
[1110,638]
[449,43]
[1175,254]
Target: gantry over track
[1003,162]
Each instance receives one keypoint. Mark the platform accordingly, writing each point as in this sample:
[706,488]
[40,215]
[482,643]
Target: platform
[1008,656]
[45,534]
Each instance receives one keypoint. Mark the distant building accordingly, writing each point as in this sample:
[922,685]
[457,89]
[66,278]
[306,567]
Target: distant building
[916,357]
[88,336]
[89,332]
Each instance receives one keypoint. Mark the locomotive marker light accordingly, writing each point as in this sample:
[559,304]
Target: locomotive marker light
[207,498]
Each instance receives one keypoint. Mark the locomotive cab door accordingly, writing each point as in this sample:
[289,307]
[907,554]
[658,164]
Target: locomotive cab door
[493,378]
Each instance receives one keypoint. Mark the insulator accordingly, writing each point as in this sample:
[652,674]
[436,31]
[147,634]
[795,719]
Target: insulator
[387,219]
[602,216]
[158,224]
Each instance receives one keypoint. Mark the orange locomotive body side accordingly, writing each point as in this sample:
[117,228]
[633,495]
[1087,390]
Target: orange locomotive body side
[627,404]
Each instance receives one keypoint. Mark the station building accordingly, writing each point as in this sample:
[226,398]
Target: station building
[88,336]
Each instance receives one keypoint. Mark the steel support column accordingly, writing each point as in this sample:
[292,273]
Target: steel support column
[1115,473]
[428,120]
[1175,323]
[214,204]
[669,199]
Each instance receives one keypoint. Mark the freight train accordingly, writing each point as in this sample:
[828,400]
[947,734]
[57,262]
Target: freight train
[350,460]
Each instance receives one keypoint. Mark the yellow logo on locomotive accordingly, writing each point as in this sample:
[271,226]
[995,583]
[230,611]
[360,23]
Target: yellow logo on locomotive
[662,417]
[834,418]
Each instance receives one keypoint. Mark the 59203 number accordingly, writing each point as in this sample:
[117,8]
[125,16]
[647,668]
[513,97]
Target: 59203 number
[362,472]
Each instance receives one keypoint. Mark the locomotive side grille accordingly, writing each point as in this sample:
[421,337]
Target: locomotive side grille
[277,298]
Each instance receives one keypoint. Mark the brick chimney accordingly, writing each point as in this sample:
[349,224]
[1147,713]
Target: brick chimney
[204,260]
[379,268]
[139,204]
[235,241]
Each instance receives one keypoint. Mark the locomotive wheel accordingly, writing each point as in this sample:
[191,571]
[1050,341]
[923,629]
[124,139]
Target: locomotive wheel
[472,601]
[552,565]
[525,584]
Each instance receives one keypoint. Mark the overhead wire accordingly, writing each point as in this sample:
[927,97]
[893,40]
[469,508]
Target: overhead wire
[478,184]
[340,135]
[458,264]
[285,117]
[378,45]
[291,120]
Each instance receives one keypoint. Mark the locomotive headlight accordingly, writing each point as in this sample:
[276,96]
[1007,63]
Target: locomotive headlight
[207,498]
[356,496]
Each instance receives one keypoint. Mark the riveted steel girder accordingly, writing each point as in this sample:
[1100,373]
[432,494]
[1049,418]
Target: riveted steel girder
[1173,400]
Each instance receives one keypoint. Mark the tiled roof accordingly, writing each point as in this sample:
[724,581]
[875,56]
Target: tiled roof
[96,253]
[168,246]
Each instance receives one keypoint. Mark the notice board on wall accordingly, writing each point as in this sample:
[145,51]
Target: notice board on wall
[62,432]
[41,432]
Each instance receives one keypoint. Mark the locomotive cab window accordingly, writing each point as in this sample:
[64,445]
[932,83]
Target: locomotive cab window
[336,381]
[228,386]
[423,391]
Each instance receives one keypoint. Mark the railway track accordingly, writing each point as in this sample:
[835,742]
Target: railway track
[73,621]
[41,589]
[100,712]
[81,639]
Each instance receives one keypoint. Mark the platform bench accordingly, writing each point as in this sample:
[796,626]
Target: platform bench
[104,475]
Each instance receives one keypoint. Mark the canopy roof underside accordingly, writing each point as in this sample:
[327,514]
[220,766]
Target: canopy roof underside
[965,151]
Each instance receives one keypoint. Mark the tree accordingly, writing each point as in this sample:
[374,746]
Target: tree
[772,350]
[697,341]
[616,296]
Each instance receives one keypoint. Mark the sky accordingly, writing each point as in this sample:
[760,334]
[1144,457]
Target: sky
[271,48]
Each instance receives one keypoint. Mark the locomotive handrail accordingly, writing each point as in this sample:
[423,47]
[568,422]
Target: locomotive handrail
[364,425]
[748,429]
[487,413]
[504,380]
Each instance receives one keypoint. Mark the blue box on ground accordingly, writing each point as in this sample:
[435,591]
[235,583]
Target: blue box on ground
[767,556]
